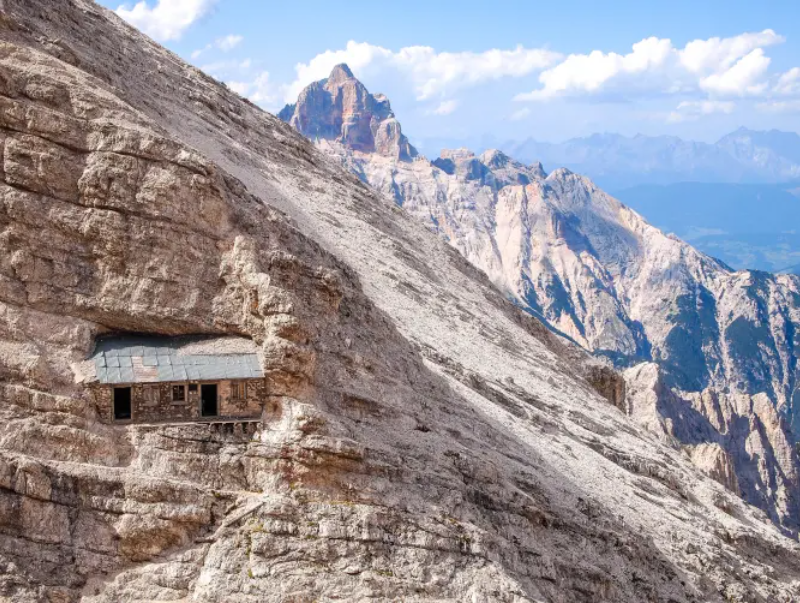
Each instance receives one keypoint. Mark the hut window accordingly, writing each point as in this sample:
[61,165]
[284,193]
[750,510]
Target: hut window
[152,395]
[179,393]
[238,390]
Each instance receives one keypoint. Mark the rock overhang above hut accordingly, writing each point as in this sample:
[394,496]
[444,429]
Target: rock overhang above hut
[153,359]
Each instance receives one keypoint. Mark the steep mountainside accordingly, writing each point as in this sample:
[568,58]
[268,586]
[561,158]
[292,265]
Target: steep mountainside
[426,440]
[616,161]
[597,272]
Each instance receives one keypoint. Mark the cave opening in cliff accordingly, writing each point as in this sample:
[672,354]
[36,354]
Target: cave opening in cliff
[122,403]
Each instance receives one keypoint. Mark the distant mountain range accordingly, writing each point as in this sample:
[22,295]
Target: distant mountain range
[615,161]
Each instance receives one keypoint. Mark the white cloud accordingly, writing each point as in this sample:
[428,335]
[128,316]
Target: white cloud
[228,42]
[225,44]
[590,72]
[167,19]
[240,88]
[744,77]
[445,108]
[431,73]
[692,110]
[262,91]
[719,54]
[259,90]
[789,83]
[733,66]
[434,73]
[520,114]
[788,106]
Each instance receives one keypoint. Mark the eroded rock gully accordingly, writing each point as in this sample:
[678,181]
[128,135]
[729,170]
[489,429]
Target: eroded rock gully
[139,196]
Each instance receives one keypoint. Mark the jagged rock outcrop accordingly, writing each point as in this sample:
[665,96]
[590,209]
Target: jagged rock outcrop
[597,272]
[339,108]
[429,441]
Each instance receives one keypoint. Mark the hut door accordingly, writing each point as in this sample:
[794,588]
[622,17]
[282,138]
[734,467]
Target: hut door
[208,400]
[122,403]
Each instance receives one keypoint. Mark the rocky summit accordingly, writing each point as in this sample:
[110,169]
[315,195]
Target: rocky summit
[423,439]
[712,353]
[340,108]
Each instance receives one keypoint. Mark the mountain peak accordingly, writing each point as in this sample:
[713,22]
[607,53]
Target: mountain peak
[340,73]
[341,109]
[537,168]
[494,158]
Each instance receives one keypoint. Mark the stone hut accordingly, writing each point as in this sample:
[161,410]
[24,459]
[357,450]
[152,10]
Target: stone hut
[144,379]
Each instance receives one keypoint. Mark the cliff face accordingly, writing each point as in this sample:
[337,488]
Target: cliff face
[738,439]
[597,272]
[427,441]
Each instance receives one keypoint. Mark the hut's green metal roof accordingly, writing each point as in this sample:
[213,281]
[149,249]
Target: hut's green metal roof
[143,359]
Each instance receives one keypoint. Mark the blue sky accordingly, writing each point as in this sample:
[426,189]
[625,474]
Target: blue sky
[471,71]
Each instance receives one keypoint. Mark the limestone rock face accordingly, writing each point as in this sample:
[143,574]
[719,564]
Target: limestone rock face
[715,460]
[738,439]
[339,108]
[426,440]
[598,273]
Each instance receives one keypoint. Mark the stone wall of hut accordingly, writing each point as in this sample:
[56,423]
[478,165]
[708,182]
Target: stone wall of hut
[154,403]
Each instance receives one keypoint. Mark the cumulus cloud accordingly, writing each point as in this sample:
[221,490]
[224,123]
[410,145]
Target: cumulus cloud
[735,66]
[719,54]
[225,44]
[589,73]
[445,108]
[240,88]
[260,90]
[167,19]
[789,83]
[745,77]
[692,110]
[431,73]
